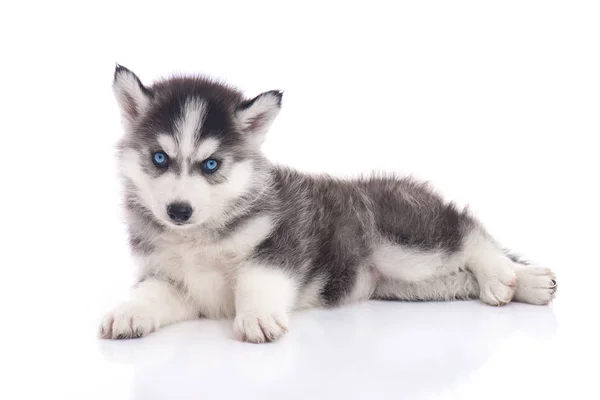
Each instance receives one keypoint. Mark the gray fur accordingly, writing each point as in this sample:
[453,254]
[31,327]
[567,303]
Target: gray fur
[335,224]
[338,240]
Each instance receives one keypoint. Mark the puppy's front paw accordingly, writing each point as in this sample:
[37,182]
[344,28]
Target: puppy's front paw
[260,328]
[129,320]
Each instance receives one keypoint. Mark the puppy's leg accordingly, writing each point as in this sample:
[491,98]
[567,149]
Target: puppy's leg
[461,285]
[535,285]
[493,269]
[154,303]
[263,298]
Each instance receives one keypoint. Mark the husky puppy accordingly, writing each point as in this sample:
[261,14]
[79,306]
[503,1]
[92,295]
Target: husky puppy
[221,232]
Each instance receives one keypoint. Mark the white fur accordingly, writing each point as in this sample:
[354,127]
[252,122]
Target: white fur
[535,285]
[431,272]
[238,182]
[206,148]
[207,200]
[412,265]
[153,304]
[206,272]
[189,124]
[428,275]
[492,268]
[131,98]
[481,269]
[207,268]
[263,298]
[168,144]
[265,108]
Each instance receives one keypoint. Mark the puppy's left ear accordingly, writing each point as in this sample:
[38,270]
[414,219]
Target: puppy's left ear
[255,116]
[132,96]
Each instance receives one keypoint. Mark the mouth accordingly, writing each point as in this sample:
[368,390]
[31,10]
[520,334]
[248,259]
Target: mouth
[179,225]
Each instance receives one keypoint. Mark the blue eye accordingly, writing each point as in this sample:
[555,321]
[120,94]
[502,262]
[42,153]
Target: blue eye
[210,165]
[160,159]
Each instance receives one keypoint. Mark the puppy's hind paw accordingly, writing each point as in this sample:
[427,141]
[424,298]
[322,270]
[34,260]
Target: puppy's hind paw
[535,285]
[498,291]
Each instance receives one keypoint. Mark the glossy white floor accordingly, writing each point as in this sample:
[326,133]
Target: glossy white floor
[495,102]
[456,350]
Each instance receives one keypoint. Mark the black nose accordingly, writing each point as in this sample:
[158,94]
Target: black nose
[179,212]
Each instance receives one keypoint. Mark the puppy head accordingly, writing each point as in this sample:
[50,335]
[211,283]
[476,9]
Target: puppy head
[191,148]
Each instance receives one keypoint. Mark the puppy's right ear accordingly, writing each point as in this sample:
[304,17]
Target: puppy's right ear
[132,96]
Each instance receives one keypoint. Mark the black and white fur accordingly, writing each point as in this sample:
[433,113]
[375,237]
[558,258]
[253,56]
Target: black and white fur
[264,240]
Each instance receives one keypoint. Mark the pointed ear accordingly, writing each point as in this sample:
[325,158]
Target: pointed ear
[255,116]
[132,96]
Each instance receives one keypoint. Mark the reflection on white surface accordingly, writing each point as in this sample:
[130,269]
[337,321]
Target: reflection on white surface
[495,102]
[377,349]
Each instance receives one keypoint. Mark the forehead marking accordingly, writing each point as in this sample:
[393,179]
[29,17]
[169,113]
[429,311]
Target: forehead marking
[189,123]
[167,144]
[206,148]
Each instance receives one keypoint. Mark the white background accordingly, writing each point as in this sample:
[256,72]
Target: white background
[497,103]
